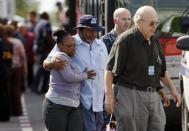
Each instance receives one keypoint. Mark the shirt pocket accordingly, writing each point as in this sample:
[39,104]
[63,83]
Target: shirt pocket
[100,59]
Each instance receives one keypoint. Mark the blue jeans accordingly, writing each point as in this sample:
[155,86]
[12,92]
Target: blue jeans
[93,121]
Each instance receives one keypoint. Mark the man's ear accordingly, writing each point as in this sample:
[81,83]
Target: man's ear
[115,20]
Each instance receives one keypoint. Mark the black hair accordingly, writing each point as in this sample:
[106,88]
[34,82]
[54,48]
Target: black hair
[59,5]
[60,34]
[44,15]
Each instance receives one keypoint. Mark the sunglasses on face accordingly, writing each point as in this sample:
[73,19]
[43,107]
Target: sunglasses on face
[151,23]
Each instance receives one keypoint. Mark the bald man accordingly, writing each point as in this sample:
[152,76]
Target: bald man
[137,60]
[122,22]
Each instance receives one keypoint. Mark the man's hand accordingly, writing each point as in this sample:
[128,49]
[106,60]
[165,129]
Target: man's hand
[91,74]
[168,82]
[165,100]
[59,64]
[176,97]
[109,103]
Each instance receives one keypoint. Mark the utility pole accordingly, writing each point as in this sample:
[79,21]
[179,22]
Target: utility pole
[72,14]
[109,10]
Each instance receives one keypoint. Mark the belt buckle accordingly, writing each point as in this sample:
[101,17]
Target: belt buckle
[150,89]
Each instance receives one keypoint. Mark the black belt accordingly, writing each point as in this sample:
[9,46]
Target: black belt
[147,89]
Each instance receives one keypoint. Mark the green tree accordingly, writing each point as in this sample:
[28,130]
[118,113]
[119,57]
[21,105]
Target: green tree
[23,6]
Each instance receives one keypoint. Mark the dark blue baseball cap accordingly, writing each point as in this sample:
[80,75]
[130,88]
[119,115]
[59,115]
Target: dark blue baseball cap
[89,21]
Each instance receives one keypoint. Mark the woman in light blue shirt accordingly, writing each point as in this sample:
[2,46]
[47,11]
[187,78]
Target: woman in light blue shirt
[61,105]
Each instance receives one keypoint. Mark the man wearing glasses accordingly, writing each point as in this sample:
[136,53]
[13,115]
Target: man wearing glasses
[137,60]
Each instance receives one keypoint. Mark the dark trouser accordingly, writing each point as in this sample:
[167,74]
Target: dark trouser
[61,118]
[5,107]
[5,80]
[138,110]
[30,74]
[15,91]
[41,80]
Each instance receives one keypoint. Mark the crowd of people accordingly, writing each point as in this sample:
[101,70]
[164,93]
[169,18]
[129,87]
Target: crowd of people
[21,46]
[87,80]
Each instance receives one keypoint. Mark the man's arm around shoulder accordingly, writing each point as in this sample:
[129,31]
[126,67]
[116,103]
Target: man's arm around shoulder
[57,63]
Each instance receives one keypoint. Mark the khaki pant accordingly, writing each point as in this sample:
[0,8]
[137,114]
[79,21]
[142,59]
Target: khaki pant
[138,110]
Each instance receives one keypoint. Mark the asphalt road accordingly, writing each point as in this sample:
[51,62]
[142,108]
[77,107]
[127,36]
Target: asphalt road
[32,115]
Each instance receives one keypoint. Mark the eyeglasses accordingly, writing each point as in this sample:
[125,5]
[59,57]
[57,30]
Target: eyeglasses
[151,23]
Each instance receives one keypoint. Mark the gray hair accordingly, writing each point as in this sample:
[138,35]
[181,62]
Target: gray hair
[142,12]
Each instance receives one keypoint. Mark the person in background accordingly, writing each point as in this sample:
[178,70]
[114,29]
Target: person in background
[138,62]
[31,54]
[61,104]
[31,20]
[6,54]
[122,22]
[22,39]
[29,37]
[16,33]
[62,15]
[91,53]
[43,43]
[19,65]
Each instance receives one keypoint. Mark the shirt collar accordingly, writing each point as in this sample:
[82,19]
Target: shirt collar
[140,36]
[79,41]
[113,33]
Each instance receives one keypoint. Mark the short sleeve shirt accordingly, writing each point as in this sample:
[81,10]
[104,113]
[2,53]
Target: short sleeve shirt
[132,56]
[109,39]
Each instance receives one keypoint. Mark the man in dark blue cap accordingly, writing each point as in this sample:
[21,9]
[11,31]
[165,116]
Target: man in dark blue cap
[88,28]
[89,21]
[91,53]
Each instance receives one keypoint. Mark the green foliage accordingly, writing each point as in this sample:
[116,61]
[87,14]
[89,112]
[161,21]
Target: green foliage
[23,6]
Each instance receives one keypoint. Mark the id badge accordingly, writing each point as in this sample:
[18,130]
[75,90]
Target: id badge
[151,70]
